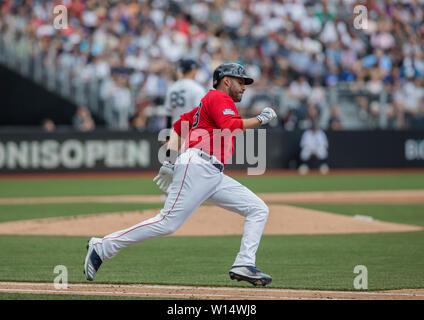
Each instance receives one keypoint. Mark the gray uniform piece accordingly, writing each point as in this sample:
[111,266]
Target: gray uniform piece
[183,96]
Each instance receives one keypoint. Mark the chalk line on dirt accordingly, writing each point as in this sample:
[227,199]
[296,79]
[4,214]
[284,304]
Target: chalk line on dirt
[207,292]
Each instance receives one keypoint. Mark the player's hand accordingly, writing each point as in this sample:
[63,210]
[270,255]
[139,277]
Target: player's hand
[164,178]
[267,115]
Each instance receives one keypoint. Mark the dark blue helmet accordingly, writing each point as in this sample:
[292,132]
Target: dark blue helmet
[187,65]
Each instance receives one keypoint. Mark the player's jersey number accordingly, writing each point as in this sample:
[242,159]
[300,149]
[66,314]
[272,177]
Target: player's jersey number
[197,116]
[178,99]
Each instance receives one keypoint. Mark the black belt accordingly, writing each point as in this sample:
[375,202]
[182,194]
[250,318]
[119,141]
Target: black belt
[219,166]
[207,157]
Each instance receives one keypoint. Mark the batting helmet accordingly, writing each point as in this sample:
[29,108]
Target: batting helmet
[230,69]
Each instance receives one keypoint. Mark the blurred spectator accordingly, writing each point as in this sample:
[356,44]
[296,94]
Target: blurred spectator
[312,116]
[409,102]
[335,122]
[331,77]
[395,113]
[129,48]
[300,89]
[316,67]
[317,96]
[373,88]
[291,119]
[157,118]
[48,125]
[314,150]
[138,122]
[378,59]
[363,107]
[382,38]
[82,120]
[122,101]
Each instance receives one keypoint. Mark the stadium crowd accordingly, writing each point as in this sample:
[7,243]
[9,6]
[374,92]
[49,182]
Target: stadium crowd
[304,46]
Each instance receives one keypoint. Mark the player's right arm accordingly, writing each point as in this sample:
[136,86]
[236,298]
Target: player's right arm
[181,129]
[183,125]
[174,145]
[166,171]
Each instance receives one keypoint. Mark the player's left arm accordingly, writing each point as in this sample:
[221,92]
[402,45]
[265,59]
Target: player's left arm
[267,115]
[226,116]
[174,145]
[166,171]
[250,123]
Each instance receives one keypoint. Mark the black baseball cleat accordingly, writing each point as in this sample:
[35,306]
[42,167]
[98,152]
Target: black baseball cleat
[250,274]
[92,261]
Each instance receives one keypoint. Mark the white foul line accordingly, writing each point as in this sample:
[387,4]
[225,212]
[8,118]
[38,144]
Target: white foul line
[120,293]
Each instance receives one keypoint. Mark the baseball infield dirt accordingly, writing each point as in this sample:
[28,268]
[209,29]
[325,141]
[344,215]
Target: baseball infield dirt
[206,221]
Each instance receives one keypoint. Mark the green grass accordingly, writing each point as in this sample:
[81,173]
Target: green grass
[38,211]
[394,260]
[143,185]
[411,213]
[77,187]
[333,182]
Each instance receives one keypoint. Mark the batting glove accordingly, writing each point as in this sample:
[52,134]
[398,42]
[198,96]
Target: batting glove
[164,178]
[267,115]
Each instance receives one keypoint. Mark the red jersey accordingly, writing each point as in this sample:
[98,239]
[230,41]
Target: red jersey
[211,126]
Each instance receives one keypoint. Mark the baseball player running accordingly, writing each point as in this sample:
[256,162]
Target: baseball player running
[196,175]
[184,94]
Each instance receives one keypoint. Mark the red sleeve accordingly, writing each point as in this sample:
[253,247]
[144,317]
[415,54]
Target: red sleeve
[188,121]
[225,114]
[233,124]
[177,127]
